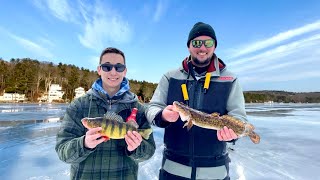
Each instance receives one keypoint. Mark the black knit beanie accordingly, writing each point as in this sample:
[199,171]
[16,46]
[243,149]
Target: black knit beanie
[202,29]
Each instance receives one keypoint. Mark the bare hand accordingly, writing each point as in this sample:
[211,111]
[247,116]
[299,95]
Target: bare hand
[226,134]
[169,114]
[91,139]
[133,140]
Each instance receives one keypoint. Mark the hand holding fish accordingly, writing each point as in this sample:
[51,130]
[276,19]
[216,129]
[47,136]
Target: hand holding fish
[226,134]
[114,127]
[169,114]
[133,140]
[91,139]
[238,128]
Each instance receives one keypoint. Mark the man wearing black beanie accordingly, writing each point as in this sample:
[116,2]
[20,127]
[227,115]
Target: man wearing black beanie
[200,29]
[204,83]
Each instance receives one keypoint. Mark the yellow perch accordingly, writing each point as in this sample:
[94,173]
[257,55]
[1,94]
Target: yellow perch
[114,127]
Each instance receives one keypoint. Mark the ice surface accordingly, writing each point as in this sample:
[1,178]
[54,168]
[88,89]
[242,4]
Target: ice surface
[288,149]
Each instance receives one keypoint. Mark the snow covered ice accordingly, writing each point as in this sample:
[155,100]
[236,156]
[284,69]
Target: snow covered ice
[288,149]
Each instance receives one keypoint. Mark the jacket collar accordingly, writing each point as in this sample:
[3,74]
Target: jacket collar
[212,66]
[216,65]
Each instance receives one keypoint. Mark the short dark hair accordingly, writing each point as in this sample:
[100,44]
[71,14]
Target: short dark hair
[112,50]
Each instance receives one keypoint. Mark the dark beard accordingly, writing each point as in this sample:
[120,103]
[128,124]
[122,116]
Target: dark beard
[196,62]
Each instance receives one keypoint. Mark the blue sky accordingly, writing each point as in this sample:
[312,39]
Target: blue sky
[269,44]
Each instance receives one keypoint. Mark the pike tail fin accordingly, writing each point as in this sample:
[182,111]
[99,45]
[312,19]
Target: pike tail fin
[255,138]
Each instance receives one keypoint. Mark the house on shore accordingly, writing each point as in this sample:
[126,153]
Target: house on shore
[55,94]
[13,97]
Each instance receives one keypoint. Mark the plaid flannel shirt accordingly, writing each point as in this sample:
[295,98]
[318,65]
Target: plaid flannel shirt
[109,160]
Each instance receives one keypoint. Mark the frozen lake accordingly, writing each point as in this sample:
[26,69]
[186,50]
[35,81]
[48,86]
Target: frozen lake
[288,149]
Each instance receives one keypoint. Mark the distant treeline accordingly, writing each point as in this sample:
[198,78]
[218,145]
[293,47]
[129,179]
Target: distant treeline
[33,78]
[281,96]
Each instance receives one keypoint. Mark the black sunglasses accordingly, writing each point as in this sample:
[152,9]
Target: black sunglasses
[198,43]
[108,67]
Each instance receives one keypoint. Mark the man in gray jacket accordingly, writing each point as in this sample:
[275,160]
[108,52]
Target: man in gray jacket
[204,83]
[91,155]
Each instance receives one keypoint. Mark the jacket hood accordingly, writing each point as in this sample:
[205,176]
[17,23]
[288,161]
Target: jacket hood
[122,96]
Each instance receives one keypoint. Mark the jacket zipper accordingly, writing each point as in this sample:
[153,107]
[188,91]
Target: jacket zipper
[110,103]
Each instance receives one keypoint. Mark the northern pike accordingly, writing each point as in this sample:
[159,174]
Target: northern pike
[214,121]
[114,127]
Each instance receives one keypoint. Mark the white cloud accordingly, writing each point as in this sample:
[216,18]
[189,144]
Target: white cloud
[294,61]
[282,77]
[279,55]
[246,49]
[32,46]
[60,9]
[160,10]
[39,4]
[100,25]
[83,10]
[46,41]
[105,26]
[281,66]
